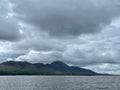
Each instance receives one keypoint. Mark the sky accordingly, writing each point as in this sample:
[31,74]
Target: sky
[84,33]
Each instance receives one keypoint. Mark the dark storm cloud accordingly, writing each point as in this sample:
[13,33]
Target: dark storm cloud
[67,18]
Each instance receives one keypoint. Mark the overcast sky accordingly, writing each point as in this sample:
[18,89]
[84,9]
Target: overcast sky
[84,33]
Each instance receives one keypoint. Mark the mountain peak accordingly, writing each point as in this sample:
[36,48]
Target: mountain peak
[59,63]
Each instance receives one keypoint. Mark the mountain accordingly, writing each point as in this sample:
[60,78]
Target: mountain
[55,68]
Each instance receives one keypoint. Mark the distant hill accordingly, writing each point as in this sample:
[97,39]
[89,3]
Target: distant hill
[55,68]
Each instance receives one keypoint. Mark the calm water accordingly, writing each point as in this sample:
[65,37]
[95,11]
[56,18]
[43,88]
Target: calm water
[59,83]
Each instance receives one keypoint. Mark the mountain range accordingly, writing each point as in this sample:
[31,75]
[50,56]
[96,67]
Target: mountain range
[55,68]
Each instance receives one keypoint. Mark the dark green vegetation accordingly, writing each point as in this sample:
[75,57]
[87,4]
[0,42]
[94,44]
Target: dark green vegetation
[55,68]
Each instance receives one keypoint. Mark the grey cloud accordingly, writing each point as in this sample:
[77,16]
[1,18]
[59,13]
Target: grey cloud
[4,56]
[39,42]
[41,19]
[93,52]
[83,51]
[9,29]
[67,18]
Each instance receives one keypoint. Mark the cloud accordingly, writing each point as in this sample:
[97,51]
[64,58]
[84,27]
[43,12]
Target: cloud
[67,18]
[9,28]
[40,56]
[83,51]
[43,31]
[34,40]
[106,68]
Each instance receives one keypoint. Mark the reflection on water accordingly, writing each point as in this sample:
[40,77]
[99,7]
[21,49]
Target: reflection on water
[59,83]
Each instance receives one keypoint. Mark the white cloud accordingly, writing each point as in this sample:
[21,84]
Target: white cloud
[106,68]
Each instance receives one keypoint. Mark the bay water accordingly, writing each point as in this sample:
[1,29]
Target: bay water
[59,82]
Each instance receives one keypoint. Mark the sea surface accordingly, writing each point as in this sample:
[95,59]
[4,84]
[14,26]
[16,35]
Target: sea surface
[59,82]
